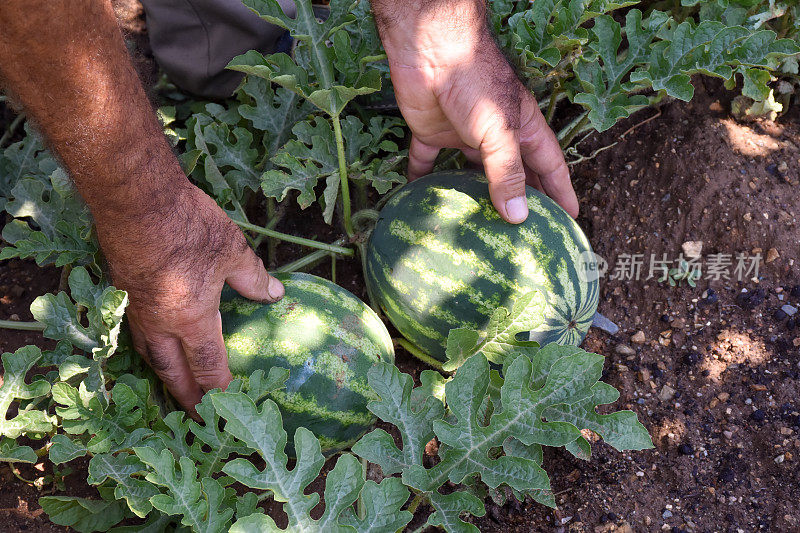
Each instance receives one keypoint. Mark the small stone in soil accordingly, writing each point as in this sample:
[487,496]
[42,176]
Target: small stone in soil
[665,318]
[657,373]
[790,324]
[758,415]
[666,514]
[772,169]
[667,393]
[751,300]
[624,349]
[789,309]
[795,292]
[686,449]
[779,315]
[691,358]
[712,297]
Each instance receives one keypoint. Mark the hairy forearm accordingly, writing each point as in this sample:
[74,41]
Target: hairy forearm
[65,62]
[422,25]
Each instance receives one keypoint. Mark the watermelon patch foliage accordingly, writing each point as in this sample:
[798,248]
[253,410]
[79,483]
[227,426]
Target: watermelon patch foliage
[312,129]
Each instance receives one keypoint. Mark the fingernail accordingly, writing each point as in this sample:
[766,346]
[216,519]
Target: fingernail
[517,209]
[275,289]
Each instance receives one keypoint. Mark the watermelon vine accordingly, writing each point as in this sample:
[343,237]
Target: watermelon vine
[308,128]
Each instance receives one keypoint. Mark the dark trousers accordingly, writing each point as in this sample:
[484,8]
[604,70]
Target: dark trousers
[193,40]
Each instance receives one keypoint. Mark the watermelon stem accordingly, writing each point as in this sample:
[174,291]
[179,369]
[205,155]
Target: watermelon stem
[337,133]
[362,252]
[307,260]
[567,135]
[551,106]
[23,326]
[419,354]
[361,510]
[415,502]
[12,128]
[296,240]
[369,214]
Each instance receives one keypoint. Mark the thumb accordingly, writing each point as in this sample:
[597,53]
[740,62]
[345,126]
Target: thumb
[252,281]
[503,165]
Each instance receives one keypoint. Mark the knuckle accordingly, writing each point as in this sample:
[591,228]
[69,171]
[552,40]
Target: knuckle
[211,379]
[207,356]
[160,358]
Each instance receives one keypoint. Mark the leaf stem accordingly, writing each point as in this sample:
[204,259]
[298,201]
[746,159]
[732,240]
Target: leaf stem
[63,282]
[412,508]
[362,252]
[337,132]
[41,452]
[419,354]
[307,260]
[572,131]
[551,107]
[371,59]
[272,244]
[11,128]
[296,240]
[15,471]
[22,326]
[365,214]
[360,508]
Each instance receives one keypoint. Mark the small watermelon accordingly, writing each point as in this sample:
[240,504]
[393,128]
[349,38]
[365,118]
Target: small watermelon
[327,338]
[440,257]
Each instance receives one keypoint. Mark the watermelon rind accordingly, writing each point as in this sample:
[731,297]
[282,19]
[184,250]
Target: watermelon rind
[327,338]
[440,257]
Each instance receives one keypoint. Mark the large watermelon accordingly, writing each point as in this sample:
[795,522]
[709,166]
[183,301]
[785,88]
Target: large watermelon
[440,257]
[327,338]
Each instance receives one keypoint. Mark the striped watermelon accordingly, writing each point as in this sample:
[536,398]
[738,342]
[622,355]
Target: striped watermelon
[440,257]
[327,338]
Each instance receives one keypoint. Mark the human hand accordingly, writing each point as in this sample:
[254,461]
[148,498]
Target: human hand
[456,90]
[173,262]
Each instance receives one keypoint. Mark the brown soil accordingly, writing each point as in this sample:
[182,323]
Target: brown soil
[717,376]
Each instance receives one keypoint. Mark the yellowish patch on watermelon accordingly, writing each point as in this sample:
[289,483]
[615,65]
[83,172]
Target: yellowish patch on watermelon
[242,343]
[308,406]
[453,204]
[332,297]
[240,306]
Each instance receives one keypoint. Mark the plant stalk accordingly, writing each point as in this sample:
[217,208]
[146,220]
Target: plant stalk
[551,107]
[360,507]
[415,503]
[307,260]
[337,132]
[365,214]
[63,282]
[11,128]
[272,244]
[572,131]
[22,326]
[296,240]
[419,354]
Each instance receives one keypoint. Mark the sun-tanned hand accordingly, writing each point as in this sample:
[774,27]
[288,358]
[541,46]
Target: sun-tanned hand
[456,90]
[167,243]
